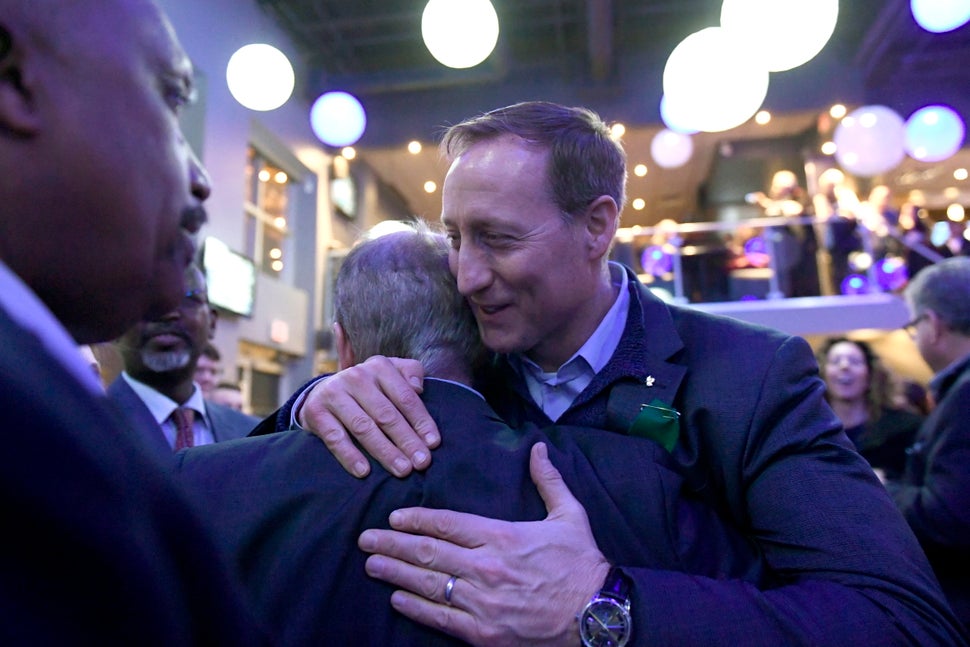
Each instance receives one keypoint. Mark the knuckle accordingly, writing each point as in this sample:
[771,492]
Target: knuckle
[386,415]
[428,585]
[491,571]
[441,619]
[426,551]
[332,436]
[443,525]
[361,425]
[490,634]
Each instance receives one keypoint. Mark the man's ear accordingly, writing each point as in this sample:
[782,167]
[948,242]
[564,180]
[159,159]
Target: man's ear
[345,354]
[602,219]
[935,325]
[18,113]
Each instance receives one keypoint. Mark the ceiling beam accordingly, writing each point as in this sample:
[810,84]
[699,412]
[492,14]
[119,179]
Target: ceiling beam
[599,18]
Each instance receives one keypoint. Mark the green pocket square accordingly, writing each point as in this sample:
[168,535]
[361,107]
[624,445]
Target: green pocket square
[659,423]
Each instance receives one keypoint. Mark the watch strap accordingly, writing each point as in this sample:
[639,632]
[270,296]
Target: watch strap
[617,585]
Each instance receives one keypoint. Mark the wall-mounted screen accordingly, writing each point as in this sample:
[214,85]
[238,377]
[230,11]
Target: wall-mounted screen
[230,277]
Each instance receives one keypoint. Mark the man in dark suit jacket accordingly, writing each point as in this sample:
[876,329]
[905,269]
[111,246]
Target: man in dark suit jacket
[160,358]
[531,206]
[934,491]
[100,546]
[288,515]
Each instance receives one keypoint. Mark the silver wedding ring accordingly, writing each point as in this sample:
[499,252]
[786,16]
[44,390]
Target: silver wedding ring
[449,588]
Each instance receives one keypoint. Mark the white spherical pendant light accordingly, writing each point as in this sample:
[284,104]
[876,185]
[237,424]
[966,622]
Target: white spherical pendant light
[934,133]
[338,119]
[940,16]
[459,33]
[713,81]
[260,77]
[786,33]
[870,141]
[671,149]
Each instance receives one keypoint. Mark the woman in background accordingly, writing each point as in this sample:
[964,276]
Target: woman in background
[859,390]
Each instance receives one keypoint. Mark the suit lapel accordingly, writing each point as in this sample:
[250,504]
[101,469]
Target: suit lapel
[139,419]
[644,366]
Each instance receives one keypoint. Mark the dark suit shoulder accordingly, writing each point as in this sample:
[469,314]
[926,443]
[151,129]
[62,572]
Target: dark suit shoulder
[228,424]
[106,549]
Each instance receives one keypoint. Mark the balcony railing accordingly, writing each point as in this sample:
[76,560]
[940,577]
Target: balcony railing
[744,269]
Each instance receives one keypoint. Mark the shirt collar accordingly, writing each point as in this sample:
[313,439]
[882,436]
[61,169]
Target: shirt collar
[26,308]
[593,355]
[161,406]
[464,386]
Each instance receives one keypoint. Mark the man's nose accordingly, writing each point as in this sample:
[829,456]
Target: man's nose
[471,270]
[200,183]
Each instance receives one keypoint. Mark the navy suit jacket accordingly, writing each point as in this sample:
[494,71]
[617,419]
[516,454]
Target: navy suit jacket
[759,444]
[288,515]
[934,493]
[227,424]
[99,544]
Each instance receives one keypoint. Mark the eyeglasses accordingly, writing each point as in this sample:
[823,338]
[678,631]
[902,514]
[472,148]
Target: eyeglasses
[910,327]
[194,299]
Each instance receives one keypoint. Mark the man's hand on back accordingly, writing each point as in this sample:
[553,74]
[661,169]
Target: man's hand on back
[377,404]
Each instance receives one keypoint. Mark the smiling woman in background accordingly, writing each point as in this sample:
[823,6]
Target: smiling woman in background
[859,390]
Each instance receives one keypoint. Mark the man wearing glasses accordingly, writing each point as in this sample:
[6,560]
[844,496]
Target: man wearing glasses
[157,388]
[934,492]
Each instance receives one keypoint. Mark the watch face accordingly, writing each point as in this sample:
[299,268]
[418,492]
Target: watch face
[605,623]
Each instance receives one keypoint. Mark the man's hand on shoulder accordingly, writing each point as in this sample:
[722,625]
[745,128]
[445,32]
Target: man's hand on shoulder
[493,582]
[377,404]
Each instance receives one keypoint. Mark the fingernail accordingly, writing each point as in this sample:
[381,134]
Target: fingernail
[416,383]
[367,540]
[395,518]
[360,469]
[431,439]
[420,458]
[401,466]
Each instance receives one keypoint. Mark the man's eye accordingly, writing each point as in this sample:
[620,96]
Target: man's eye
[454,240]
[493,239]
[179,97]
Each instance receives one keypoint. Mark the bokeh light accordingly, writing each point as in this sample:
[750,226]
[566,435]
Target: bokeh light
[786,33]
[670,117]
[670,149]
[656,261]
[934,133]
[459,33]
[939,16]
[756,251]
[260,77]
[891,273]
[854,284]
[713,81]
[869,140]
[956,213]
[338,119]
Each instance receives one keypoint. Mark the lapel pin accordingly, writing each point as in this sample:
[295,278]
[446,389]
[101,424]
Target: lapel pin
[649,381]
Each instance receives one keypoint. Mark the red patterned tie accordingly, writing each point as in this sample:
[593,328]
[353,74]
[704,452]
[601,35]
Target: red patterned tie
[184,434]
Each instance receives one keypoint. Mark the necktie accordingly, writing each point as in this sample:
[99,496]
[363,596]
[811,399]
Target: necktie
[184,434]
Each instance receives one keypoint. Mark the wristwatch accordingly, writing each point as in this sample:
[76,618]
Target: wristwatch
[605,620]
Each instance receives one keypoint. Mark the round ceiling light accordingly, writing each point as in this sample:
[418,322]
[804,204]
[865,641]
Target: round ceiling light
[260,77]
[459,33]
[786,33]
[713,81]
[338,119]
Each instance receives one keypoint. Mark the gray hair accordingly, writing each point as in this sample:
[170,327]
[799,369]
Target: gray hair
[944,288]
[585,162]
[395,296]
